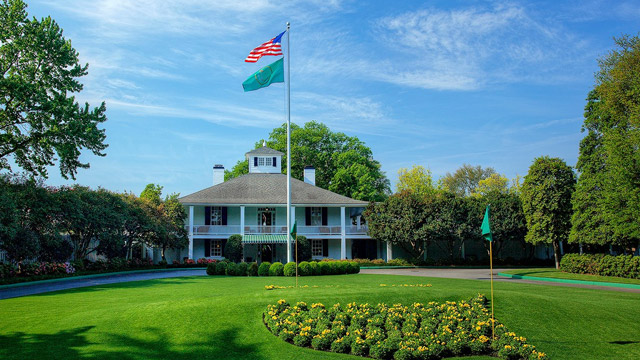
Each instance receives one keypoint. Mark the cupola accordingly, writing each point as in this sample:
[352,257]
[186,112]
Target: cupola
[265,160]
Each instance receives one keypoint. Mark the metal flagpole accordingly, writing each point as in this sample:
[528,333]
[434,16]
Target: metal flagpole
[289,145]
[493,322]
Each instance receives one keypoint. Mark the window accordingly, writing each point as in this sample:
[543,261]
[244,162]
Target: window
[316,216]
[265,161]
[266,216]
[216,215]
[316,248]
[216,247]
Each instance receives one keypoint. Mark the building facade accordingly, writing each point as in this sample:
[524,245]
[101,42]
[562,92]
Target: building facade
[254,206]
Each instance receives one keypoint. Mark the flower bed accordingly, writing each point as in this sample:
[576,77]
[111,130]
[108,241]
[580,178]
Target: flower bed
[419,331]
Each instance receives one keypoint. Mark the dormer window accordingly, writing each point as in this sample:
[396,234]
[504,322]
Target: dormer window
[265,161]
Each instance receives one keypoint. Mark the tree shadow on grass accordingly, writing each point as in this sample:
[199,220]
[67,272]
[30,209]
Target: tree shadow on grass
[153,343]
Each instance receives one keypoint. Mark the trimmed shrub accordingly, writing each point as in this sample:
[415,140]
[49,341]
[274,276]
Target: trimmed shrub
[289,269]
[626,266]
[398,262]
[233,248]
[211,269]
[353,267]
[232,269]
[241,269]
[325,268]
[276,269]
[253,269]
[315,270]
[263,270]
[341,267]
[221,268]
[304,269]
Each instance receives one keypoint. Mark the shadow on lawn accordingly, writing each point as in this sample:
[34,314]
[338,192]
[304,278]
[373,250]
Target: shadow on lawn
[73,344]
[137,284]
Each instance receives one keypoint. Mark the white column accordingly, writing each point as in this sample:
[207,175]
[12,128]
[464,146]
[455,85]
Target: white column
[191,232]
[343,235]
[389,251]
[293,215]
[359,224]
[242,220]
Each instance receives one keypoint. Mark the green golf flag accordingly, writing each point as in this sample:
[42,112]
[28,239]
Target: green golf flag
[271,73]
[486,228]
[294,231]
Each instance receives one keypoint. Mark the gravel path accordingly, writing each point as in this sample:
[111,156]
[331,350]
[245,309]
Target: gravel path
[483,274]
[70,283]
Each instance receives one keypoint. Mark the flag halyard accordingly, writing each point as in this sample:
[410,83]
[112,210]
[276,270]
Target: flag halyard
[271,47]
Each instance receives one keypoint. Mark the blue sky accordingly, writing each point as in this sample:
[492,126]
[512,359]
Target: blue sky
[437,83]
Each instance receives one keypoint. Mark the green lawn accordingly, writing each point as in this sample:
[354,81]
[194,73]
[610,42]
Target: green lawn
[557,274]
[220,317]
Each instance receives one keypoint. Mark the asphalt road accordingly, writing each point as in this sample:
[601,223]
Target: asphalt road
[71,283]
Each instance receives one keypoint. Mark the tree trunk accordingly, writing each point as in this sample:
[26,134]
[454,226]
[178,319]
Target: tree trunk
[556,253]
[163,250]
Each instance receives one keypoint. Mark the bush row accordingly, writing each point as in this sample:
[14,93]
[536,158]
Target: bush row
[415,332]
[626,266]
[8,270]
[278,269]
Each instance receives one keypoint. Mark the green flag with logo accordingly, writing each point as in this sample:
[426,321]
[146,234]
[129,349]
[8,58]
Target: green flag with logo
[271,73]
[486,228]
[294,231]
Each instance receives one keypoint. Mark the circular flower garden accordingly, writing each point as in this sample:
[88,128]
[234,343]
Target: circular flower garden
[382,331]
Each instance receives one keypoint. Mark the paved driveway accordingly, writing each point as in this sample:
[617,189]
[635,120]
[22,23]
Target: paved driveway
[71,283]
[482,274]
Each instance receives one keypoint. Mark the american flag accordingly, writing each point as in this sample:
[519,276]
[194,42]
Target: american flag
[271,47]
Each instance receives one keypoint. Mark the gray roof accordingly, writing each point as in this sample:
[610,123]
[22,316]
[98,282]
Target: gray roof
[264,151]
[267,189]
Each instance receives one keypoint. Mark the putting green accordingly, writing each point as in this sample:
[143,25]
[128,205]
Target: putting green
[220,317]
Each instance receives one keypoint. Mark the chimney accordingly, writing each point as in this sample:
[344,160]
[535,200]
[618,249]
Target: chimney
[218,174]
[310,175]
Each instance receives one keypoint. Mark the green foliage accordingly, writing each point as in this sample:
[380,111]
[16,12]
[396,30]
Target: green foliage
[276,269]
[304,248]
[233,248]
[325,268]
[289,269]
[241,269]
[152,193]
[465,180]
[232,269]
[546,201]
[314,269]
[211,268]
[263,270]
[40,120]
[304,269]
[240,168]
[221,268]
[494,183]
[253,269]
[626,266]
[508,223]
[607,199]
[343,164]
[417,180]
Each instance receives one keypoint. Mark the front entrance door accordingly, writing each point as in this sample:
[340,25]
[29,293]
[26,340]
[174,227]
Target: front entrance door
[266,219]
[363,249]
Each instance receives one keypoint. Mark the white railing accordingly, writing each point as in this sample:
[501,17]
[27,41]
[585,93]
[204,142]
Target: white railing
[259,229]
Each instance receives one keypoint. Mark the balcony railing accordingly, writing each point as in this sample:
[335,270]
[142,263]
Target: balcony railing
[258,229]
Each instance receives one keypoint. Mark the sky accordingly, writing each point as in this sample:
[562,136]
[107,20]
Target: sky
[431,83]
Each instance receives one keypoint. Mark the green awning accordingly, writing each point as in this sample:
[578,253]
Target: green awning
[264,239]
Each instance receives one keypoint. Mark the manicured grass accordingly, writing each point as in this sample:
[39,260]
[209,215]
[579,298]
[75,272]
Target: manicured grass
[557,274]
[220,317]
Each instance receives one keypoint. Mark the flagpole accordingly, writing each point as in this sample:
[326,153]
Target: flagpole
[493,326]
[289,145]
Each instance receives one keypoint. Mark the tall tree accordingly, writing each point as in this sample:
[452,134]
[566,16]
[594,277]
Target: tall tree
[417,179]
[400,220]
[343,164]
[40,121]
[465,180]
[508,223]
[546,201]
[493,183]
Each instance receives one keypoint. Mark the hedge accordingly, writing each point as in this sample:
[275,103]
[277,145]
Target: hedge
[626,266]
[278,269]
